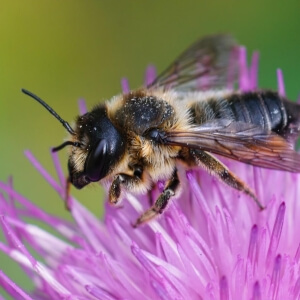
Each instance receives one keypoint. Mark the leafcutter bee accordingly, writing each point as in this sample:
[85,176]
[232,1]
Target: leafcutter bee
[186,115]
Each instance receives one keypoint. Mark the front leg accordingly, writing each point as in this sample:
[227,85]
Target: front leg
[125,180]
[162,201]
[67,194]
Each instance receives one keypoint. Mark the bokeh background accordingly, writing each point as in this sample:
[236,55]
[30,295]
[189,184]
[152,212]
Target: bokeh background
[71,49]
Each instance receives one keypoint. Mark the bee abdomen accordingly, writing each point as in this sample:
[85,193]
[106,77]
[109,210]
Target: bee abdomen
[266,109]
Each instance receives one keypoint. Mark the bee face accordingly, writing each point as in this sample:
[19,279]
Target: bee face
[100,148]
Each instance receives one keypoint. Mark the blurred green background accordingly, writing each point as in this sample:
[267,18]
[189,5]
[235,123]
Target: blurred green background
[66,50]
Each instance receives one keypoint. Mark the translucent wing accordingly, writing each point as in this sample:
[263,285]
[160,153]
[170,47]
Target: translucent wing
[240,141]
[208,64]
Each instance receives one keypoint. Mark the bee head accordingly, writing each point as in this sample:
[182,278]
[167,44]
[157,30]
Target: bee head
[101,146]
[96,144]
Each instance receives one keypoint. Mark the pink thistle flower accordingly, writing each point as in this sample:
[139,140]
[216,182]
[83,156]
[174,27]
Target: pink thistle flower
[211,243]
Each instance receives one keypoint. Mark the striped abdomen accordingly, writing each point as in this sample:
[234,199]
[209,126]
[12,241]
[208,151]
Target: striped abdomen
[264,108]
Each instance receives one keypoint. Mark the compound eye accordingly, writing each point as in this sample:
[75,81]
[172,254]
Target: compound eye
[96,164]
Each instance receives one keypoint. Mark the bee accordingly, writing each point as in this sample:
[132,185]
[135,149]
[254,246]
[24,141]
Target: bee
[137,138]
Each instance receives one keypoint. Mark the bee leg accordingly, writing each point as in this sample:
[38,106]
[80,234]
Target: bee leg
[162,201]
[216,168]
[115,188]
[67,194]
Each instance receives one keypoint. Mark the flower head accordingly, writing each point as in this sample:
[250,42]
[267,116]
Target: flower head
[211,243]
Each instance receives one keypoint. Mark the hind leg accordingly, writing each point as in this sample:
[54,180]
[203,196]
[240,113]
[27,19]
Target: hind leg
[216,168]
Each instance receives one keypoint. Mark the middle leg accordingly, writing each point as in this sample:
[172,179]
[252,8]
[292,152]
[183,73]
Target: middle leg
[162,201]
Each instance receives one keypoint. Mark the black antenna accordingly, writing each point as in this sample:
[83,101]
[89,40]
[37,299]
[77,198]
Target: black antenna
[51,110]
[63,145]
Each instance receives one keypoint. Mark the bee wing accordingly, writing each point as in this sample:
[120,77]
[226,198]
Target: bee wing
[208,64]
[240,141]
